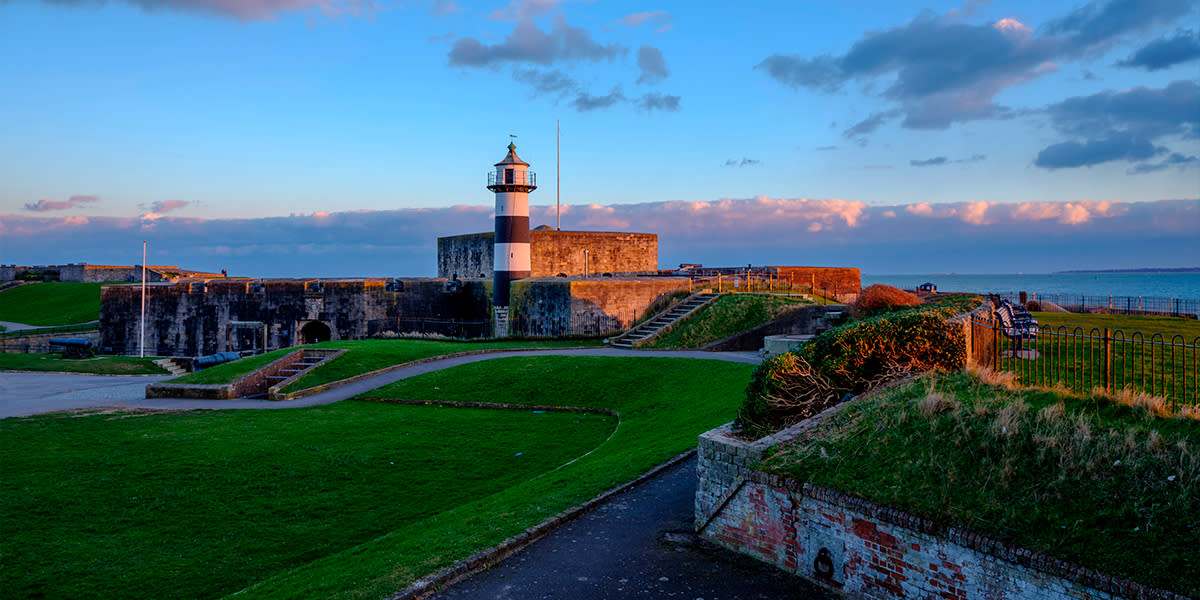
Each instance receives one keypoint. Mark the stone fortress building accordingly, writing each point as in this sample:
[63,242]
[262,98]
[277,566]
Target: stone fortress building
[558,283]
[85,273]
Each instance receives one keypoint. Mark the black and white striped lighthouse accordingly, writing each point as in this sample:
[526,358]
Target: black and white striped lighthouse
[511,181]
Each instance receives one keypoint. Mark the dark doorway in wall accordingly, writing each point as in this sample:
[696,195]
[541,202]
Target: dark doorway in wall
[315,331]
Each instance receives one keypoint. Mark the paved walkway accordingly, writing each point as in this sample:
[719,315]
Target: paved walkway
[638,544]
[12,326]
[23,394]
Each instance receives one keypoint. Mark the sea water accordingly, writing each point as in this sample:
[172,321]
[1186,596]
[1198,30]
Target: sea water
[1155,285]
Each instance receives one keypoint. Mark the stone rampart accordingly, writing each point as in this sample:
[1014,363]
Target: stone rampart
[555,306]
[865,550]
[842,283]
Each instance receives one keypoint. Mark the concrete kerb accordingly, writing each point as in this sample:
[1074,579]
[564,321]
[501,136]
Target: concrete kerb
[356,378]
[482,560]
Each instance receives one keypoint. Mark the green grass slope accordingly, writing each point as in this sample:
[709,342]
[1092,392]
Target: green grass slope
[1149,325]
[202,504]
[725,316]
[664,404]
[1086,479]
[104,365]
[363,356]
[51,303]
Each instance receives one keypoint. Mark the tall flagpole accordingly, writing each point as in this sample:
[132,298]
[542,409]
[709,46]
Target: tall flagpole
[142,337]
[557,178]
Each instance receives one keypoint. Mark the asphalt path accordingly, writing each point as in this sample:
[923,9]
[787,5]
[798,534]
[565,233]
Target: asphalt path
[638,544]
[24,394]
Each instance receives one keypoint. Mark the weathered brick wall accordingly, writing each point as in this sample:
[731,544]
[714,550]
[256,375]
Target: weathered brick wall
[842,282]
[554,306]
[555,252]
[872,551]
[552,253]
[39,343]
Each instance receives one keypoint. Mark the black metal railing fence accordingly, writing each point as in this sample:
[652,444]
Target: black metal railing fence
[1084,360]
[1125,305]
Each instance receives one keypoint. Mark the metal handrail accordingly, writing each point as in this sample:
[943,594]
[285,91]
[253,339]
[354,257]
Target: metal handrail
[518,178]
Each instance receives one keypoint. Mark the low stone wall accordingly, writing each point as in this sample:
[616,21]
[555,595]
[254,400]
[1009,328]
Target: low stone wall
[807,320]
[865,550]
[39,343]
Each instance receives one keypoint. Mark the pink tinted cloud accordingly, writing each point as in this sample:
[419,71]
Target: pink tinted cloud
[963,236]
[72,202]
[246,10]
[168,205]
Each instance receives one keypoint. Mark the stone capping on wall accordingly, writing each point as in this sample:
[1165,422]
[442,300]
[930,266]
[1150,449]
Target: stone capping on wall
[741,456]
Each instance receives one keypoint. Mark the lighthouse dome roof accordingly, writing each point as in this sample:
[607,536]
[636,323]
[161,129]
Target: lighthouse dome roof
[511,158]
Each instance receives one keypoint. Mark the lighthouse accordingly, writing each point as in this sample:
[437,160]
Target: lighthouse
[511,181]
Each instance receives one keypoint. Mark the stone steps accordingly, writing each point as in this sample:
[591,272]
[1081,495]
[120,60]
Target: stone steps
[657,324]
[171,366]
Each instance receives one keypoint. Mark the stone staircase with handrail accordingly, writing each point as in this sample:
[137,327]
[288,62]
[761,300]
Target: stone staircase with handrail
[659,323]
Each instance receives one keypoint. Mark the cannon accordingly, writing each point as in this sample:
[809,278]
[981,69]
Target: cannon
[213,360]
[74,347]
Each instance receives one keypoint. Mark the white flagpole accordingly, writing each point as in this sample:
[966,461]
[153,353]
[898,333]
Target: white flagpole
[557,178]
[142,337]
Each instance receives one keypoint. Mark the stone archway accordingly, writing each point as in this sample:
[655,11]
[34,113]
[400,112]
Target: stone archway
[315,331]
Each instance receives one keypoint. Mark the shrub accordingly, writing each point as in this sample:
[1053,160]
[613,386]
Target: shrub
[849,359]
[879,297]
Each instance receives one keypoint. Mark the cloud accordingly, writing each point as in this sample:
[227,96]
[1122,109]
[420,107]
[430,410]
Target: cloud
[528,43]
[660,20]
[931,162]
[522,9]
[937,70]
[652,101]
[1174,160]
[1111,126]
[745,162]
[938,161]
[72,202]
[445,8]
[926,237]
[167,206]
[546,82]
[653,67]
[1165,52]
[584,101]
[870,124]
[243,10]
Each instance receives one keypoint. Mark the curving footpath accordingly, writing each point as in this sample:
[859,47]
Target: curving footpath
[25,394]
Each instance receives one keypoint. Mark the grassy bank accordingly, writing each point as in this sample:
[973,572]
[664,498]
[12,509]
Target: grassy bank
[102,365]
[725,316]
[51,303]
[351,500]
[1083,478]
[363,356]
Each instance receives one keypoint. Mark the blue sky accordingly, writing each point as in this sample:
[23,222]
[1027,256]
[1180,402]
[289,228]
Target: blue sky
[294,137]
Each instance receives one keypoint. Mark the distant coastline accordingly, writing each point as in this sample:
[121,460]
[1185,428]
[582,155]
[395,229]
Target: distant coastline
[1141,270]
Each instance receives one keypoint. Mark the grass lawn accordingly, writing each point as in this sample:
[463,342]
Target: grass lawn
[200,505]
[1079,362]
[307,503]
[51,303]
[1189,329]
[725,316]
[1086,479]
[363,356]
[104,365]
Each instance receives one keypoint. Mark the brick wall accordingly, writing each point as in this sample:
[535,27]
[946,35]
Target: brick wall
[552,253]
[844,282]
[871,551]
[554,306]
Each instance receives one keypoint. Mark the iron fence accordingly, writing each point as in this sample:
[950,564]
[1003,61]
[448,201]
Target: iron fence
[1082,361]
[1125,305]
[444,328]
